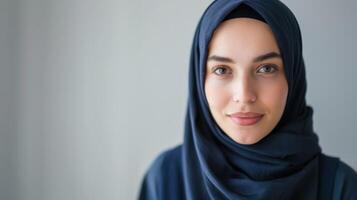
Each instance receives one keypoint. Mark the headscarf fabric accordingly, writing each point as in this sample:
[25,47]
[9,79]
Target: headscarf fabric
[284,164]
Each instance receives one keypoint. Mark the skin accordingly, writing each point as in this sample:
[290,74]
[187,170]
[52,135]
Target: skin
[241,83]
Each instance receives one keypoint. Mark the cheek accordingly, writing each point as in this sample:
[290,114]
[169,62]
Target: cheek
[275,96]
[217,95]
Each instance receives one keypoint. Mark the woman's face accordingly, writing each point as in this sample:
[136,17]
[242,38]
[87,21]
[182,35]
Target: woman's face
[245,83]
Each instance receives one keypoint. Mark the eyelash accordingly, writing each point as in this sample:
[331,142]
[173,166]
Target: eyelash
[217,68]
[272,67]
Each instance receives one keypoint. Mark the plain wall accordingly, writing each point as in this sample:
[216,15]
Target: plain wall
[92,91]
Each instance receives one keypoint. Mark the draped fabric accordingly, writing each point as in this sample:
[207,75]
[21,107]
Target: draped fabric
[284,164]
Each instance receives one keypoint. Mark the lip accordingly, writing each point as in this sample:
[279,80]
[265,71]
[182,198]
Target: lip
[246,119]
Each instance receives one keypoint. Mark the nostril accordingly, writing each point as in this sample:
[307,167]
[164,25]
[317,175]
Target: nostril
[244,100]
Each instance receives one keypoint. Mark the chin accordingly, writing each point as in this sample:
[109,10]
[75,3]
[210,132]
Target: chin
[247,140]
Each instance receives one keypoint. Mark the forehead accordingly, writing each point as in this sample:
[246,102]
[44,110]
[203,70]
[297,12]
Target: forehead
[242,37]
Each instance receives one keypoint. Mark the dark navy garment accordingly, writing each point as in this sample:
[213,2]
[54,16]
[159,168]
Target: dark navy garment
[158,184]
[286,164]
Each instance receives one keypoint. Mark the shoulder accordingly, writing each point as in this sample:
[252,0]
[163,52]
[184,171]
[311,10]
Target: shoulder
[166,161]
[337,179]
[345,182]
[164,175]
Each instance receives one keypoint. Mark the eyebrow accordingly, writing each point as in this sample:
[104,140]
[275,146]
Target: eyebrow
[256,59]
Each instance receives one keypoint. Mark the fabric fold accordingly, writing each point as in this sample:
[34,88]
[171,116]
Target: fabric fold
[284,164]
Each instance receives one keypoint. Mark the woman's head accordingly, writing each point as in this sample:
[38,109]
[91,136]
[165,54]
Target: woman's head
[245,82]
[247,63]
[243,30]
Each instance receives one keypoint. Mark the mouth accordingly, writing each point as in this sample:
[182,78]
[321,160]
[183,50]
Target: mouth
[246,119]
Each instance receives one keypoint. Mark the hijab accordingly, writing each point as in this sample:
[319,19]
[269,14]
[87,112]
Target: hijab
[284,164]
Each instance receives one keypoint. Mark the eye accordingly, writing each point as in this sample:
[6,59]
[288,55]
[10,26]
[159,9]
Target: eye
[267,69]
[221,70]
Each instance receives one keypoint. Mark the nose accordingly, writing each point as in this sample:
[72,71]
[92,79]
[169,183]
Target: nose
[244,90]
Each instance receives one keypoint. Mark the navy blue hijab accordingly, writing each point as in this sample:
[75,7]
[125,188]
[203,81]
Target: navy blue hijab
[284,164]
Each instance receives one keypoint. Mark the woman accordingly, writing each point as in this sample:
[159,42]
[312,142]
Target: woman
[248,130]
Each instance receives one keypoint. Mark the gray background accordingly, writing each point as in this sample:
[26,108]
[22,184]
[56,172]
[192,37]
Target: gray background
[91,91]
